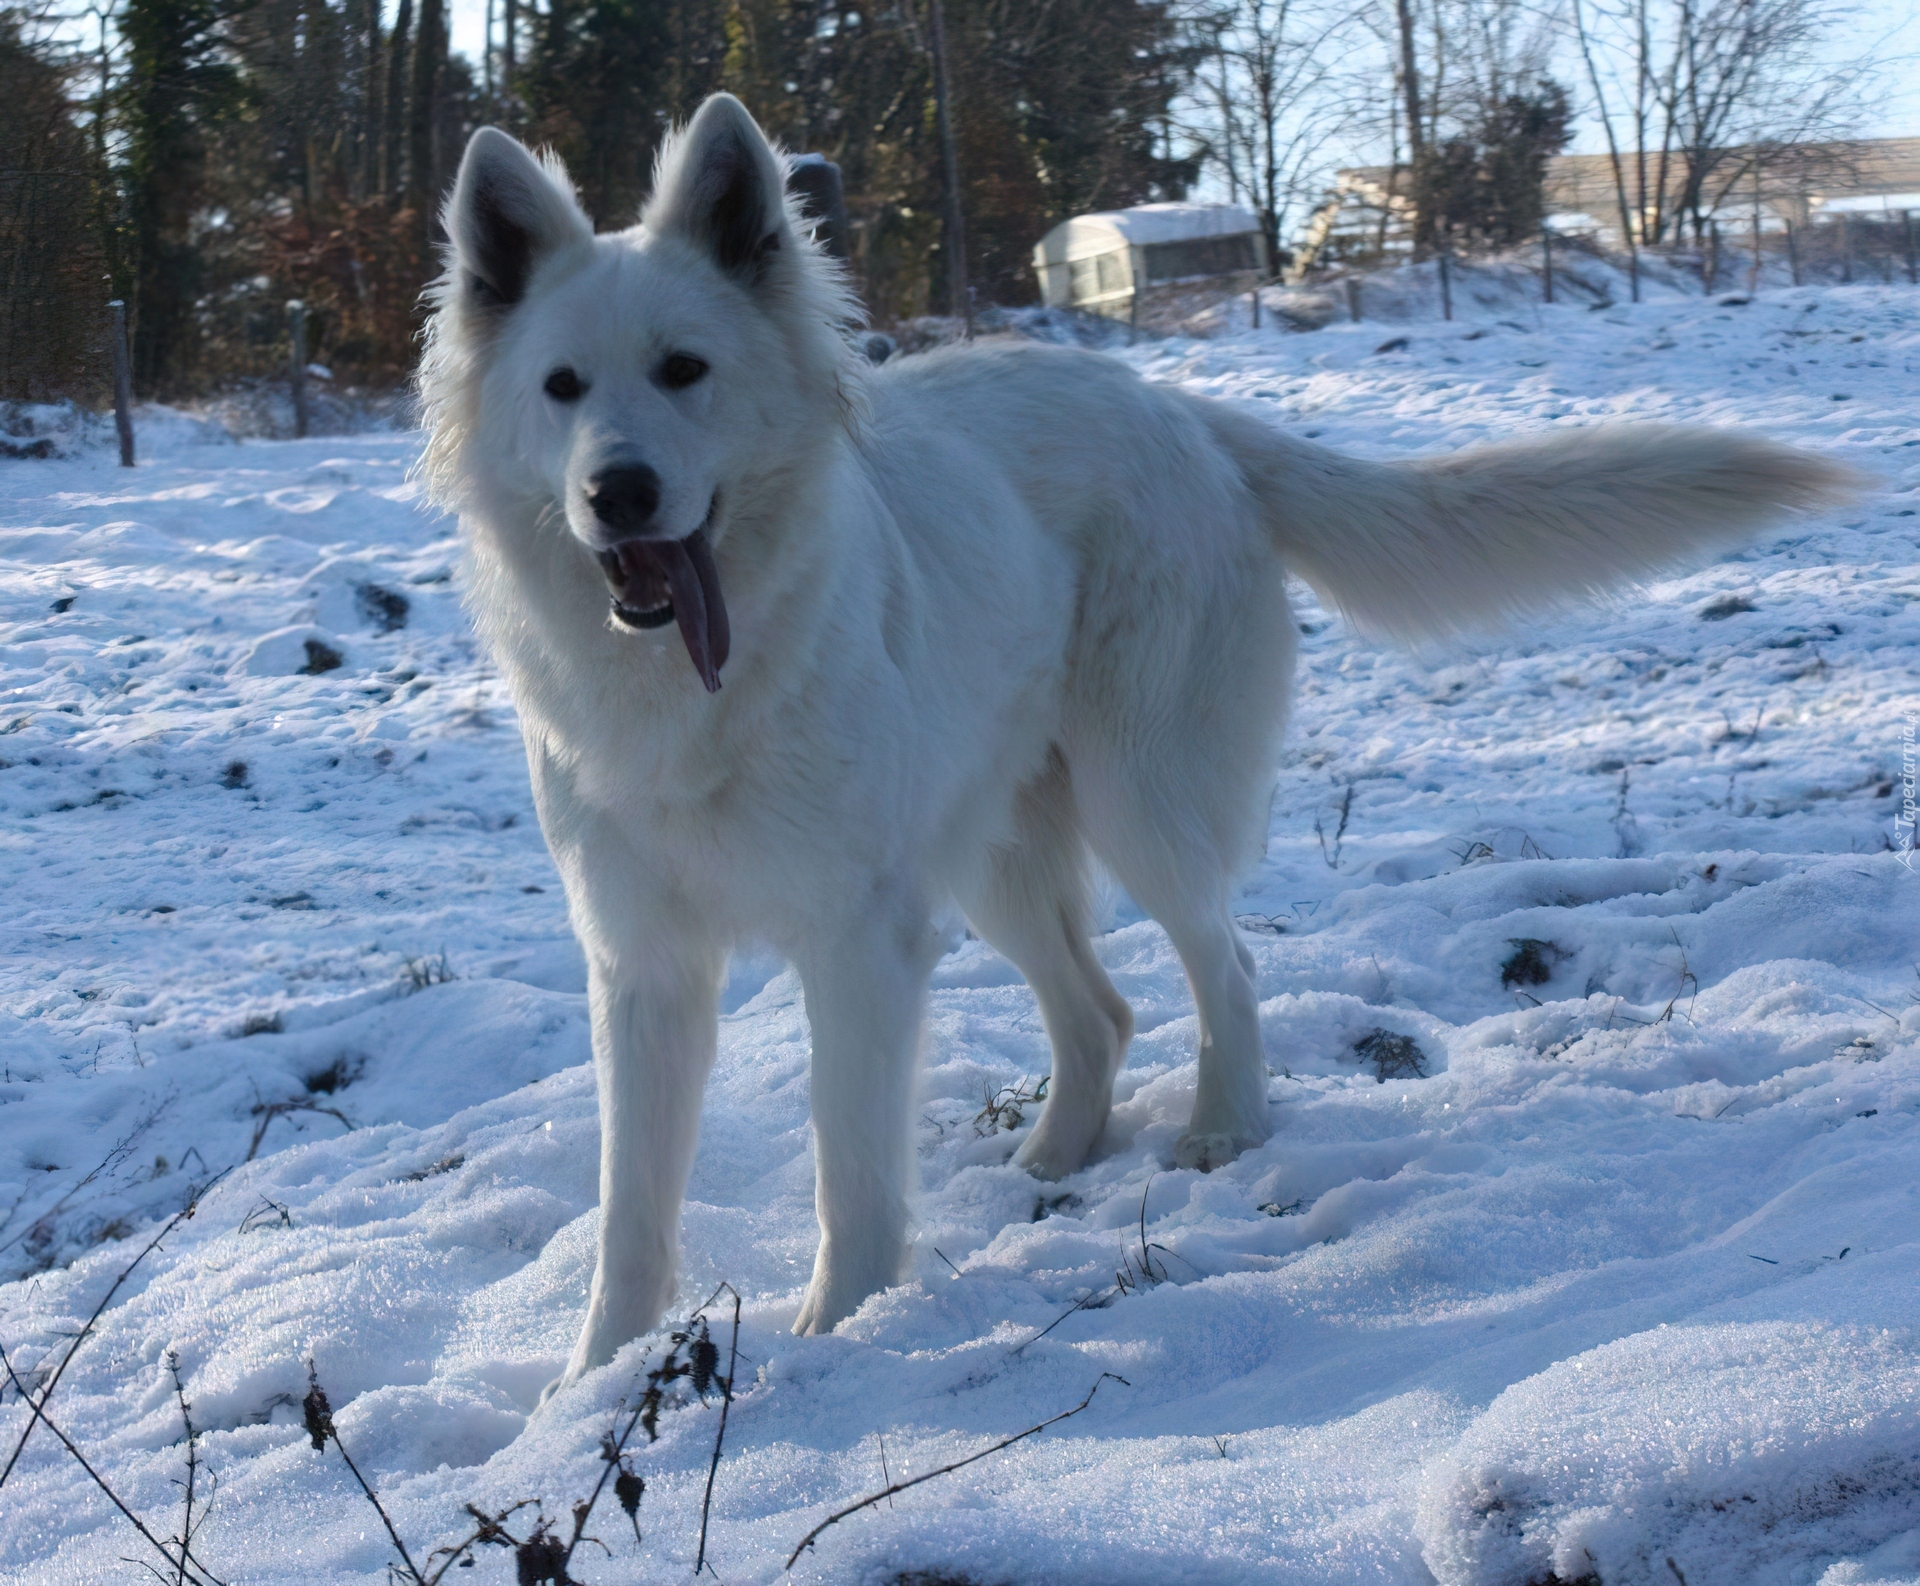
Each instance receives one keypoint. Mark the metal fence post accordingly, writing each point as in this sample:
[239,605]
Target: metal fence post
[1546,246]
[1446,290]
[1913,264]
[816,182]
[1353,297]
[297,330]
[1846,249]
[122,383]
[1793,252]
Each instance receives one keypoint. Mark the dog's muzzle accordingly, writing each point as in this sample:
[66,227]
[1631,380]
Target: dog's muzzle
[655,582]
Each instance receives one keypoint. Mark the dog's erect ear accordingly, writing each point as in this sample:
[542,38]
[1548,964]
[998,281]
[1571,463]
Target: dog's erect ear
[719,185]
[507,213]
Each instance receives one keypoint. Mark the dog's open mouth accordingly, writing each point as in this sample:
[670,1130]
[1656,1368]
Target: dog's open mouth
[655,582]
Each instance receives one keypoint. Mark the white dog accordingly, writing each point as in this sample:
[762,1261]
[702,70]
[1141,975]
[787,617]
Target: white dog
[978,616]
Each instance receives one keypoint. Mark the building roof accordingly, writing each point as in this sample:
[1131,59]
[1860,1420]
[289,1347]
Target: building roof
[1817,174]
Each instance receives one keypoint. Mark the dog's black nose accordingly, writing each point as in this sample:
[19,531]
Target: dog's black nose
[625,498]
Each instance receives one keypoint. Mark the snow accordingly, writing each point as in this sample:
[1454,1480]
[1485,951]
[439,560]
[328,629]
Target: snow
[1626,1275]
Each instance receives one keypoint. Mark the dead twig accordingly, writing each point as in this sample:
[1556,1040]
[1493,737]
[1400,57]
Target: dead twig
[704,1362]
[38,1407]
[1346,809]
[318,1414]
[200,1575]
[267,1111]
[1092,1302]
[1625,826]
[187,1523]
[120,1150]
[489,1530]
[269,1213]
[1006,1107]
[701,1369]
[538,1558]
[835,1518]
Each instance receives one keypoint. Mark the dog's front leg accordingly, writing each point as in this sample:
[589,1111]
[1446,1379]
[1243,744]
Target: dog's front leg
[655,1026]
[865,990]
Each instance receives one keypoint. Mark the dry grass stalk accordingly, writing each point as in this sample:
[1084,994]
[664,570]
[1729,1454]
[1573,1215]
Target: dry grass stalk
[837,1516]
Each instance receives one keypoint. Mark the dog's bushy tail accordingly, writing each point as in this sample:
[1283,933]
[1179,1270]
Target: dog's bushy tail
[1435,546]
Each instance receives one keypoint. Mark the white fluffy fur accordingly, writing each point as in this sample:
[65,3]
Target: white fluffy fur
[995,610]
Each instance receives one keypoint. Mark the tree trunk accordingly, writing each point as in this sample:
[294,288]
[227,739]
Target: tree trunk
[423,114]
[1627,218]
[955,240]
[392,144]
[371,99]
[1416,137]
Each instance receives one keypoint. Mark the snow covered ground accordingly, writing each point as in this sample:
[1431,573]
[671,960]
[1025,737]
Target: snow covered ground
[1613,1274]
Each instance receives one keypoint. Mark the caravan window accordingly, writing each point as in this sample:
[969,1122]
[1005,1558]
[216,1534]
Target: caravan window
[1097,277]
[1201,256]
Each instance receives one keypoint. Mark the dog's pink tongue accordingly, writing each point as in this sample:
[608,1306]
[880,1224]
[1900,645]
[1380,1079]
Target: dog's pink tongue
[694,583]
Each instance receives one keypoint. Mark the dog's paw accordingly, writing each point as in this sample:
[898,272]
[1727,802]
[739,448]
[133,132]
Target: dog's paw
[1063,1139]
[816,1316]
[1047,1157]
[1205,1152]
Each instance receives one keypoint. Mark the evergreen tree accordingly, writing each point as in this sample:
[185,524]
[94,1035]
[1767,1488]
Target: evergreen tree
[1517,140]
[424,113]
[1064,110]
[392,160]
[1058,109]
[298,148]
[53,295]
[179,88]
[1488,183]
[606,80]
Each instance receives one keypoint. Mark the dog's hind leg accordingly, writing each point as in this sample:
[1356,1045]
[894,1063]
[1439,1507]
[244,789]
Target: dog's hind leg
[1144,820]
[1031,904]
[1230,1103]
[1173,731]
[865,990]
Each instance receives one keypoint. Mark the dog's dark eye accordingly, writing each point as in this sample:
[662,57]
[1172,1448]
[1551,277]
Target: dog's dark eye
[680,370]
[563,385]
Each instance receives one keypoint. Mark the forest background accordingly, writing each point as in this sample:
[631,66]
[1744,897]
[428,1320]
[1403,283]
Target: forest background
[207,161]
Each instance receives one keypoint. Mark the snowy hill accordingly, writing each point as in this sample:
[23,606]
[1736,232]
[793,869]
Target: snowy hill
[1608,1267]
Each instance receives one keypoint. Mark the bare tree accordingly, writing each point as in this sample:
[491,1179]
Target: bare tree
[1274,93]
[1714,91]
[1628,230]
